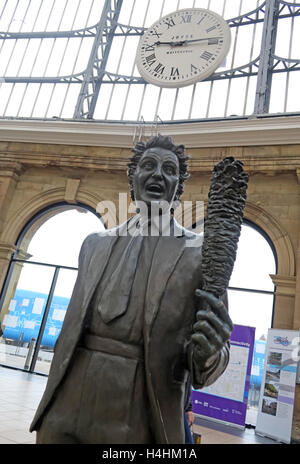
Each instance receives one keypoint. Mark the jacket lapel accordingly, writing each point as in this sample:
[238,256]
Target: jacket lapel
[100,257]
[97,266]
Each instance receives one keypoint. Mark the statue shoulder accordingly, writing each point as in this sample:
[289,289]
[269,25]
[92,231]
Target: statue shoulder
[103,236]
[96,237]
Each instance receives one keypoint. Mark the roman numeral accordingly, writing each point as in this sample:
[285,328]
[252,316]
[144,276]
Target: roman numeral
[149,48]
[169,22]
[193,68]
[200,20]
[206,56]
[174,72]
[210,29]
[151,59]
[213,41]
[154,32]
[159,68]
[186,19]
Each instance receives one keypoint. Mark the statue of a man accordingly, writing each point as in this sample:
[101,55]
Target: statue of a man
[135,327]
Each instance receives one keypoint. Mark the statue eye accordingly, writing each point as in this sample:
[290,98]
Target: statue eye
[170,169]
[148,165]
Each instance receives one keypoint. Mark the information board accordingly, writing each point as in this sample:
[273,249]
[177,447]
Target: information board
[226,399]
[276,403]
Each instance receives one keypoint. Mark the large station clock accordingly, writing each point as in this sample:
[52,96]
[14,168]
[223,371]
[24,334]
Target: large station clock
[183,47]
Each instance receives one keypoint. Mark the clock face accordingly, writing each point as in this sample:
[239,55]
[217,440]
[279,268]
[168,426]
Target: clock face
[183,47]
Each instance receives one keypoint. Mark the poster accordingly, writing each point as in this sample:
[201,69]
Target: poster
[276,403]
[38,306]
[226,399]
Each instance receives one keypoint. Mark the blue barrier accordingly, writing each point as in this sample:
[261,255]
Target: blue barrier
[258,362]
[25,316]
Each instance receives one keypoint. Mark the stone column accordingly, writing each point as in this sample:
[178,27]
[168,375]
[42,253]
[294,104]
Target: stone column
[9,176]
[6,251]
[284,301]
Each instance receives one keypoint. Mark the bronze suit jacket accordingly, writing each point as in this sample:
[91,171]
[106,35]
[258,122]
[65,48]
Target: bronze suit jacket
[169,314]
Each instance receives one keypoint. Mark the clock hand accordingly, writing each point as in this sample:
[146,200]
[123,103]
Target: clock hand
[173,44]
[183,42]
[199,40]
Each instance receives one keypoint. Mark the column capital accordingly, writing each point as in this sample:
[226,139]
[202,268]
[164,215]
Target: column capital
[285,285]
[22,254]
[11,169]
[6,250]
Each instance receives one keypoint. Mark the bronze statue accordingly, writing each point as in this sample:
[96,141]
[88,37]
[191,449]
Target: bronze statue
[135,327]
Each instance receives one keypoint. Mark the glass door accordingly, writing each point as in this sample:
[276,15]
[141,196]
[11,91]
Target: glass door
[22,312]
[57,306]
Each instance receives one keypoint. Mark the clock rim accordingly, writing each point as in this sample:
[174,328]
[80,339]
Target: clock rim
[192,80]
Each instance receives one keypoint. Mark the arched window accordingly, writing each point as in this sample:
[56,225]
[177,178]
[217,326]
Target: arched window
[251,292]
[39,285]
[251,299]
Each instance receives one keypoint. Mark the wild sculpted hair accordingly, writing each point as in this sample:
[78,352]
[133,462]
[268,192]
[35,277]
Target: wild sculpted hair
[159,141]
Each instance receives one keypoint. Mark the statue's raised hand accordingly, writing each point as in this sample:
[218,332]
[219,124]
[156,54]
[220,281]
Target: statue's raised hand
[212,329]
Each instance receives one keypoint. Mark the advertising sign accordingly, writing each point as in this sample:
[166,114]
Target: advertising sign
[276,403]
[226,399]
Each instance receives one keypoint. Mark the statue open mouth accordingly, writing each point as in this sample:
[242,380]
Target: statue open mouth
[155,189]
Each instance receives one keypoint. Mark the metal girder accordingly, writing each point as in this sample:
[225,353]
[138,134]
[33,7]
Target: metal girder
[86,32]
[288,9]
[285,64]
[90,87]
[72,79]
[120,30]
[252,17]
[249,69]
[264,78]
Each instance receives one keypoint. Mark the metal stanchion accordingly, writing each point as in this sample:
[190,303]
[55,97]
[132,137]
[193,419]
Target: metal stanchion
[29,354]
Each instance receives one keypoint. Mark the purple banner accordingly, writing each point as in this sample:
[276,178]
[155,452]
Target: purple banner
[226,400]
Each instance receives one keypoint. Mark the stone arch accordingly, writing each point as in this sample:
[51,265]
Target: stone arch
[26,212]
[278,236]
[273,229]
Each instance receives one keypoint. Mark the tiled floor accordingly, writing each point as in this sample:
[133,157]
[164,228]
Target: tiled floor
[20,394]
[219,434]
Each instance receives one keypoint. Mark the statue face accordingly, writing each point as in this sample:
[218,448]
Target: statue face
[156,177]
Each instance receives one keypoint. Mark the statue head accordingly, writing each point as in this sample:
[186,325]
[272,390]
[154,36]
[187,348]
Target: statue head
[157,170]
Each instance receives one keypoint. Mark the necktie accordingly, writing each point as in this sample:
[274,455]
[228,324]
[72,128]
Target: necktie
[115,297]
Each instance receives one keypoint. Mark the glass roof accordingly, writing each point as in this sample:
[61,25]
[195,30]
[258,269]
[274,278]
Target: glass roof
[76,59]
